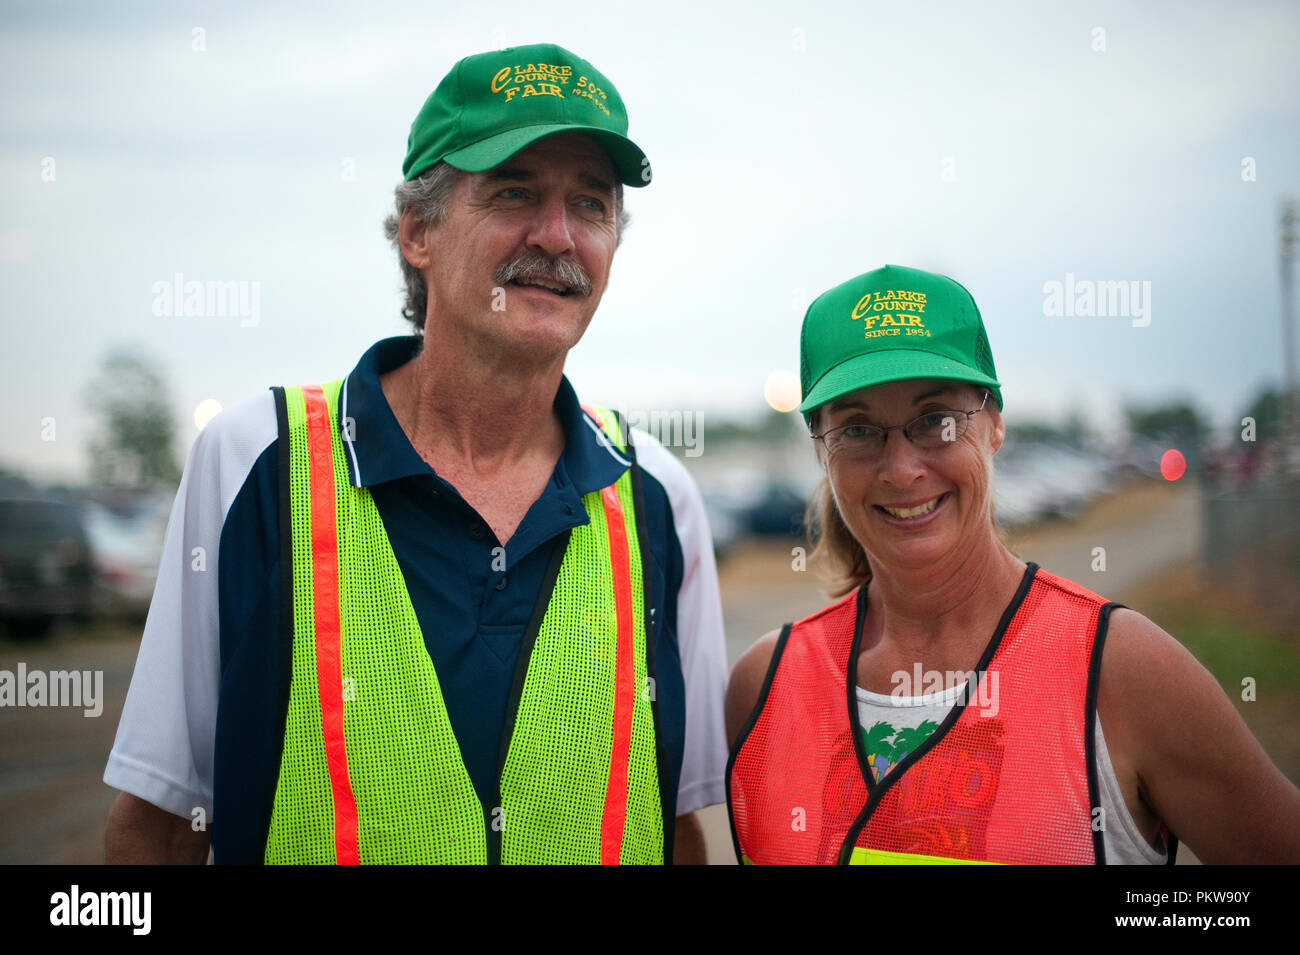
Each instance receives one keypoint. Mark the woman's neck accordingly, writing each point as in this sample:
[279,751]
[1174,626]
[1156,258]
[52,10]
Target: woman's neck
[952,606]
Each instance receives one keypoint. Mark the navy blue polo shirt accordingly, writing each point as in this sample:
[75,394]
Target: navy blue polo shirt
[471,615]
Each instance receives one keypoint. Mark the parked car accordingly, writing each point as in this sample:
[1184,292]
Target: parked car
[125,550]
[46,569]
[724,524]
[778,513]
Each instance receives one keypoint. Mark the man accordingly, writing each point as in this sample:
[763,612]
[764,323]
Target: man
[437,611]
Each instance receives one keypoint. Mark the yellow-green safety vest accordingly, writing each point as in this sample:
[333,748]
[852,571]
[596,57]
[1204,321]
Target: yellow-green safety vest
[371,771]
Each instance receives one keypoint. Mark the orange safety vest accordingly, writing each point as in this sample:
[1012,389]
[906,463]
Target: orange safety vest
[1008,777]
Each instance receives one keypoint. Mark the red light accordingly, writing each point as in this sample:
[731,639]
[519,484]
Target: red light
[1172,464]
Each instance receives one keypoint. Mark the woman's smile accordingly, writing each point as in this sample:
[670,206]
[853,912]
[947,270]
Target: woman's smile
[913,515]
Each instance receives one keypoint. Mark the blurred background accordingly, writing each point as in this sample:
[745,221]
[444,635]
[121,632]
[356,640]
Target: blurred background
[1114,184]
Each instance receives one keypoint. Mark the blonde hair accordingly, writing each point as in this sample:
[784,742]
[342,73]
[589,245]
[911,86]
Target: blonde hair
[841,560]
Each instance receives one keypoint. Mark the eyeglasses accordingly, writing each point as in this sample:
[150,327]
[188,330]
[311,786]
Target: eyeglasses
[934,429]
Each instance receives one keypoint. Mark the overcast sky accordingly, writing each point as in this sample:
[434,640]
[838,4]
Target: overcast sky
[794,145]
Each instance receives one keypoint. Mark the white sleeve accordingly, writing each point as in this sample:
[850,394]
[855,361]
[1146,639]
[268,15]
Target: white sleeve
[700,637]
[163,752]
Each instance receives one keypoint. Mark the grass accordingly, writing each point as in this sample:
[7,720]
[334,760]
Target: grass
[1229,648]
[1231,637]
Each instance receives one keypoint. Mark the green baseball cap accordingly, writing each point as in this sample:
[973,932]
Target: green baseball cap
[888,325]
[492,105]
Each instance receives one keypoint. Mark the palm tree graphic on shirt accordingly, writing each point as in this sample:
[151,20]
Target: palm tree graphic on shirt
[886,746]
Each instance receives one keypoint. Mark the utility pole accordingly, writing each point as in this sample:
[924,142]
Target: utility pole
[1290,400]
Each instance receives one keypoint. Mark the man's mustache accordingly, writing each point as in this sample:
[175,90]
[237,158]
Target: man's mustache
[535,265]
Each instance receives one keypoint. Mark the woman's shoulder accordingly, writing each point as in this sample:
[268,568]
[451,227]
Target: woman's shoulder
[1066,586]
[1135,645]
[1175,728]
[1158,704]
[750,671]
[1141,662]
[746,681]
[845,605]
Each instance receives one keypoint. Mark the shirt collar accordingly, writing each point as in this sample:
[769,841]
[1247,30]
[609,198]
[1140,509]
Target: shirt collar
[378,450]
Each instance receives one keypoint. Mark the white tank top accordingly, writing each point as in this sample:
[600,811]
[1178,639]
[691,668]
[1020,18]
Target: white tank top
[893,726]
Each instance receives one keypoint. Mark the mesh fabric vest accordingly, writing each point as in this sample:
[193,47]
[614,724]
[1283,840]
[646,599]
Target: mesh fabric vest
[371,770]
[1008,777]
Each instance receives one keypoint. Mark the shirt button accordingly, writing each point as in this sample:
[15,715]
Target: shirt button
[501,584]
[477,532]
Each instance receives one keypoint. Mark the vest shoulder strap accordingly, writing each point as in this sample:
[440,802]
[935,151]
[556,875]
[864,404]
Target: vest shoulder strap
[612,426]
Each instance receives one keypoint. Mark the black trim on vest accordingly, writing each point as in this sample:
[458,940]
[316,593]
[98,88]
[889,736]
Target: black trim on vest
[1090,741]
[896,772]
[517,686]
[851,678]
[286,598]
[748,727]
[1090,730]
[667,800]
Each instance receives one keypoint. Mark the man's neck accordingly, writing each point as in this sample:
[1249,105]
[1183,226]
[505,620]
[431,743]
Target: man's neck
[474,416]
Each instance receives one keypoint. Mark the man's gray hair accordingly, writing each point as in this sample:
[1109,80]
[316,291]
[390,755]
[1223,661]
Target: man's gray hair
[427,198]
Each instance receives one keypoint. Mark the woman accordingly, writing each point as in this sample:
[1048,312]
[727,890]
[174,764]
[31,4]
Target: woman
[950,706]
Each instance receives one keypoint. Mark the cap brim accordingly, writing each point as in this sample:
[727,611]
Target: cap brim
[882,367]
[629,161]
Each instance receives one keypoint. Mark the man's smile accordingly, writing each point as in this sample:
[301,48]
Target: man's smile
[545,275]
[543,283]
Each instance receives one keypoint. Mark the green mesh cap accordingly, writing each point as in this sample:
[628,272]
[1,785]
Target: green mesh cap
[492,105]
[890,325]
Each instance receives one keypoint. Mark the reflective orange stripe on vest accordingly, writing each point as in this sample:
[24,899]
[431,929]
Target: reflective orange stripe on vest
[615,815]
[325,602]
[325,605]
